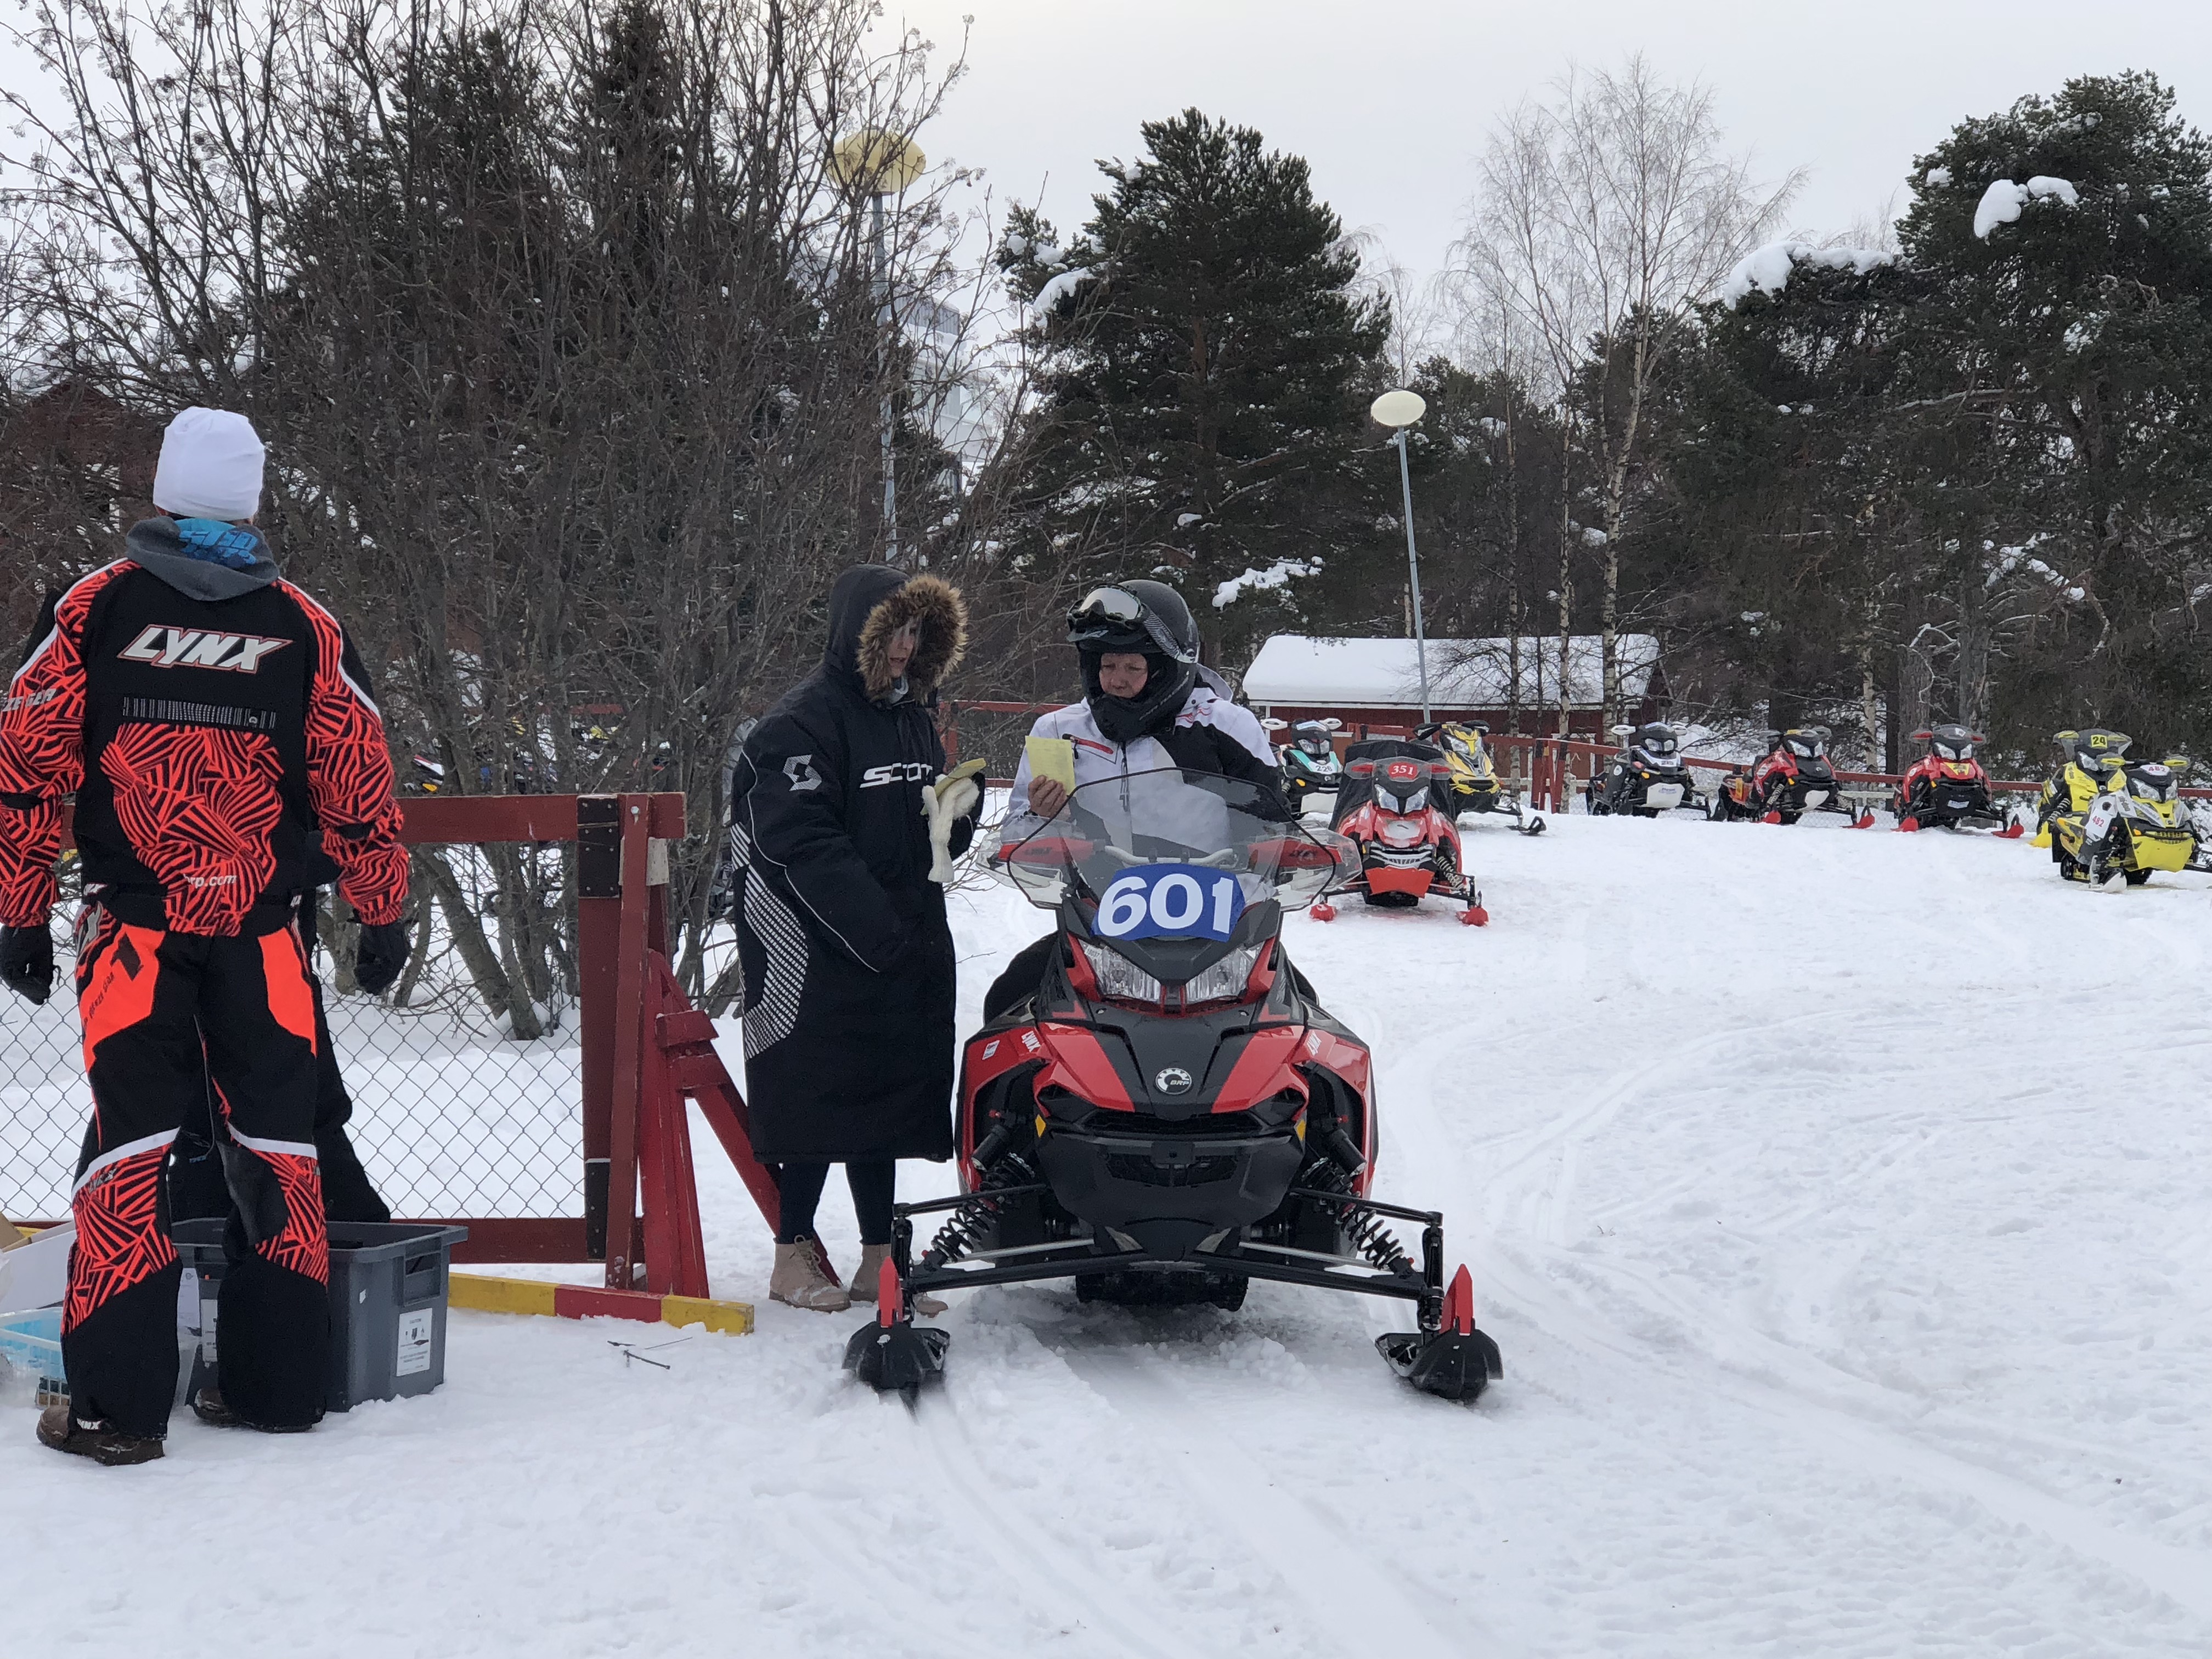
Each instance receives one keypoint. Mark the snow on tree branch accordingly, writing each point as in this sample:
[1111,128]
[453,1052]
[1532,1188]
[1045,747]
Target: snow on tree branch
[2002,202]
[1767,269]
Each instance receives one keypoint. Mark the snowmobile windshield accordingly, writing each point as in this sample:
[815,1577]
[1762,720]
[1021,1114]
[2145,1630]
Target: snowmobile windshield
[1193,849]
[2098,752]
[2152,781]
[1466,743]
[1953,742]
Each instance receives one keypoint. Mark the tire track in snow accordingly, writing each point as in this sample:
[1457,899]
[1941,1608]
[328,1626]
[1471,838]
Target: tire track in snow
[1103,1606]
[1374,1612]
[1855,1418]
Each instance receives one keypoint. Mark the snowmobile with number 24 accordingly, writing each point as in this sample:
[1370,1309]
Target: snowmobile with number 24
[1171,1114]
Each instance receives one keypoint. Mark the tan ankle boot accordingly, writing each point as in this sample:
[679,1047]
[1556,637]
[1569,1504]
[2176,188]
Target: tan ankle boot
[871,1270]
[798,1279]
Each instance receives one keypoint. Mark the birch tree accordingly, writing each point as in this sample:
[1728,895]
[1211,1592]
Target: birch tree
[1607,214]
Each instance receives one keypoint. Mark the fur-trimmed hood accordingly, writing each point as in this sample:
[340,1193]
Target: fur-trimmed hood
[871,603]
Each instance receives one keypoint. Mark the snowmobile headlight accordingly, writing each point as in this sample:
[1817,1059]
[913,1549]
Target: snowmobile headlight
[2146,786]
[1226,978]
[1118,976]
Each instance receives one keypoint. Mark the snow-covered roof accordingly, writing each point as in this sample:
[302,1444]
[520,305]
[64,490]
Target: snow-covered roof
[1300,671]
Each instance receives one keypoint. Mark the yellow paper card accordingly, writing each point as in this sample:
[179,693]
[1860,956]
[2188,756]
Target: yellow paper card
[1054,758]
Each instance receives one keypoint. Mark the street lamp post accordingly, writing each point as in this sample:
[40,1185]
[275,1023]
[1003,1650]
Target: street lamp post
[1399,411]
[883,164]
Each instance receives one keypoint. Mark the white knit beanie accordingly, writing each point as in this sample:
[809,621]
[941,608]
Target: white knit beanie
[210,466]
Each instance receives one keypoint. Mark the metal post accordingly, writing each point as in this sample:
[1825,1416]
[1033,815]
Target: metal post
[1413,568]
[884,323]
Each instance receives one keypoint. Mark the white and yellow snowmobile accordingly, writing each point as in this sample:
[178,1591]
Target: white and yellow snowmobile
[1472,783]
[2103,815]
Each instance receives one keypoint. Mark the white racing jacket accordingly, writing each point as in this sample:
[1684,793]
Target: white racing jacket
[1211,734]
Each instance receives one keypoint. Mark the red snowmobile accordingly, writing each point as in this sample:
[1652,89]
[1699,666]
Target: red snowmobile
[1408,845]
[1172,1113]
[1790,780]
[1947,788]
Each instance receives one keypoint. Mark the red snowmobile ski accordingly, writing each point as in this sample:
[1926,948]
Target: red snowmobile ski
[1171,1114]
[1947,788]
[1408,846]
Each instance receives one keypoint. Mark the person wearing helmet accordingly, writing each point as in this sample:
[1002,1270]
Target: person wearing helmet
[1148,704]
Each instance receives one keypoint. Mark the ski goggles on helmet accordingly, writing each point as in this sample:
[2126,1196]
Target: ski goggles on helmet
[1111,618]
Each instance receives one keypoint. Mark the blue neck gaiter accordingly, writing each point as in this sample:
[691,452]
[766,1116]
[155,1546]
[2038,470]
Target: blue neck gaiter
[218,542]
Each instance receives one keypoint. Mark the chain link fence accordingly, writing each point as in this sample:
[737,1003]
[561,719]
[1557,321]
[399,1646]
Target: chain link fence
[454,1115]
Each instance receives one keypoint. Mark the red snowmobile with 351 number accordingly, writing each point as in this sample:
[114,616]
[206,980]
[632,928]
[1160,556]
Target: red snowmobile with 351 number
[1391,809]
[1172,1113]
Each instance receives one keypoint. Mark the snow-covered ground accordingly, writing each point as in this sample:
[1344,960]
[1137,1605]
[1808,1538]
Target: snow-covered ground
[1841,1202]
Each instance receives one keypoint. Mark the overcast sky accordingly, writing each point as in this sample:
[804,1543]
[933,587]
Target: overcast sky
[1390,99]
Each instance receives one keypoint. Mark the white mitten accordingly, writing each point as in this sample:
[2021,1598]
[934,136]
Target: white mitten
[945,803]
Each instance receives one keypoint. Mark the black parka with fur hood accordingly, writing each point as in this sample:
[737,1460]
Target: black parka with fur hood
[849,964]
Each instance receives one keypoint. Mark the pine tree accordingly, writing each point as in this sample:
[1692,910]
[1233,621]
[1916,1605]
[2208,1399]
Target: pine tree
[2064,358]
[1982,475]
[1207,361]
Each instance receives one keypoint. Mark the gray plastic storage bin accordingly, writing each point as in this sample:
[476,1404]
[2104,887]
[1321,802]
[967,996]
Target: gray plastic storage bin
[387,1305]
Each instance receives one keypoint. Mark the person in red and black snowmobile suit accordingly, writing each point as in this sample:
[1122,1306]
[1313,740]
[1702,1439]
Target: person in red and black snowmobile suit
[196,1185]
[1148,705]
[214,723]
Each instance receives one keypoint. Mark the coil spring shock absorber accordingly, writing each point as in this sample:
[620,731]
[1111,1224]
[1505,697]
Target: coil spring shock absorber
[969,1221]
[1370,1235]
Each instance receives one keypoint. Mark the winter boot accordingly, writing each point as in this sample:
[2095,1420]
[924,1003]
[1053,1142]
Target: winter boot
[100,1442]
[871,1271]
[208,1405]
[799,1280]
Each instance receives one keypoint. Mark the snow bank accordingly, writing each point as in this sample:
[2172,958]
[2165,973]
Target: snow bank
[1277,574]
[1061,287]
[2002,202]
[1767,269]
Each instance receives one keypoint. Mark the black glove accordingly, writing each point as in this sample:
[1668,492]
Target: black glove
[27,961]
[382,953]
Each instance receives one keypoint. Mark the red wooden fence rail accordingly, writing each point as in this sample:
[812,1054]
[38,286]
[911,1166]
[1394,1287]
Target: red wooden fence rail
[1548,762]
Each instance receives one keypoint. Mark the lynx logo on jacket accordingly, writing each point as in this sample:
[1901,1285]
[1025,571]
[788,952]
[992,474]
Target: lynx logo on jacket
[192,647]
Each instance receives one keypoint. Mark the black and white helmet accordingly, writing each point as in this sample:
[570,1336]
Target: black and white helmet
[1141,615]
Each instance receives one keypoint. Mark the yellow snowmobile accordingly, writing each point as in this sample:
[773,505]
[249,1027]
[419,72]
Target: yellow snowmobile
[2103,815]
[1473,785]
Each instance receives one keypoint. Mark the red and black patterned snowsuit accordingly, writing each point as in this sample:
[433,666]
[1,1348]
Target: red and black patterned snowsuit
[213,725]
